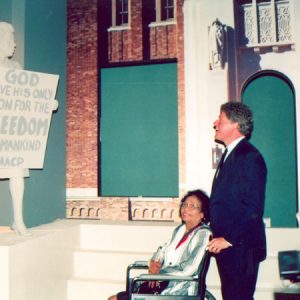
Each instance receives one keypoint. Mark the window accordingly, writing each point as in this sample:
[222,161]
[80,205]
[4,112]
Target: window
[120,15]
[164,10]
[167,9]
[139,131]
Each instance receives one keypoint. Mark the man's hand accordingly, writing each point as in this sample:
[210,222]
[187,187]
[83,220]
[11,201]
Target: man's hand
[216,245]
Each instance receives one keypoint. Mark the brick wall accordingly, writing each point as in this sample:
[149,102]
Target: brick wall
[126,45]
[82,94]
[82,106]
[163,41]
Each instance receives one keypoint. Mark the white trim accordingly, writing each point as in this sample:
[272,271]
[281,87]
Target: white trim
[163,23]
[114,14]
[119,28]
[158,12]
[81,193]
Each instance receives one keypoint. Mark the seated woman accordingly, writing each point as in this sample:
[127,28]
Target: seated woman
[183,254]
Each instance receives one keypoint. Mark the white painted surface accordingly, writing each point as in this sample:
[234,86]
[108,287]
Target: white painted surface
[80,260]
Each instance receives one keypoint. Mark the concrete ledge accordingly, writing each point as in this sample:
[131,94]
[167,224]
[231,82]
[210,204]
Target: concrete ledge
[87,259]
[38,266]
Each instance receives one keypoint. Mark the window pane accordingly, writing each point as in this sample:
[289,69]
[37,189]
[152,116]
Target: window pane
[167,9]
[121,12]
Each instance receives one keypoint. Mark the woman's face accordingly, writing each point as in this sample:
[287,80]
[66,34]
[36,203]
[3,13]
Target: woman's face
[191,212]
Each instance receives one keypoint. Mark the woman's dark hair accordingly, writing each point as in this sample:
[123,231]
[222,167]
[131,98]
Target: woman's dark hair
[202,198]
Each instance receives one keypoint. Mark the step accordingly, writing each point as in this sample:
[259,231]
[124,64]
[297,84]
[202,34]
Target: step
[268,279]
[103,264]
[88,289]
[269,273]
[261,293]
[137,236]
[279,239]
[107,249]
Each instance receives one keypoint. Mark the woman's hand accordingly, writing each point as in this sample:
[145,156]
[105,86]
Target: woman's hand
[154,267]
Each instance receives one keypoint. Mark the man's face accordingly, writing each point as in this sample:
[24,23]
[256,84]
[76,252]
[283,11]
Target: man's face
[225,129]
[7,45]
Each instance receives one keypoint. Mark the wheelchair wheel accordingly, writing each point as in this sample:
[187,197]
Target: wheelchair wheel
[209,296]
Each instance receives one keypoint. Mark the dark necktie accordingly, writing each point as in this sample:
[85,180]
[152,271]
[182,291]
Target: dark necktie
[218,170]
[221,162]
[222,159]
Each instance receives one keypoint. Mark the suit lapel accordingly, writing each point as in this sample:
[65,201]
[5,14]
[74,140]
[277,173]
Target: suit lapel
[222,171]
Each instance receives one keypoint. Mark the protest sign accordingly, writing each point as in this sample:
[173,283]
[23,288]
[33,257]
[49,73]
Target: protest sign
[26,105]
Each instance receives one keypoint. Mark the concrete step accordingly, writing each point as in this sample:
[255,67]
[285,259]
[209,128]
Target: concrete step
[89,289]
[268,279]
[110,265]
[140,237]
[268,274]
[107,249]
[279,239]
[261,293]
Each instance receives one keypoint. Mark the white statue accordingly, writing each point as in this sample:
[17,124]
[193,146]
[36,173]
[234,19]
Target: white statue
[216,42]
[15,175]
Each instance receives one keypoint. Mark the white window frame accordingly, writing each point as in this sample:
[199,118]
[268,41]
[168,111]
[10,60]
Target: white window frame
[114,26]
[158,20]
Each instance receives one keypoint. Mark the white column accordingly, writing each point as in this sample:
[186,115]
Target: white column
[205,91]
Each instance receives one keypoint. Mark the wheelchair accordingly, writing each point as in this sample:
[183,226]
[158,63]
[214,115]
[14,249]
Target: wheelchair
[202,292]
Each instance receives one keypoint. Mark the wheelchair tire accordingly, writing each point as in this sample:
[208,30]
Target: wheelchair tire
[209,296]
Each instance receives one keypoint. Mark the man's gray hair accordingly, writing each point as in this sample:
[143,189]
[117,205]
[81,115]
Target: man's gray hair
[241,114]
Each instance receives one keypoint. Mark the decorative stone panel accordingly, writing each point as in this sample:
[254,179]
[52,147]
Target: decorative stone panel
[124,209]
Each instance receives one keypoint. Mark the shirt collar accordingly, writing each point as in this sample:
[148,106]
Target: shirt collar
[232,145]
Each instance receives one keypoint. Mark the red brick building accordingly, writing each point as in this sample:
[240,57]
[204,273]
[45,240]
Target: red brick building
[111,33]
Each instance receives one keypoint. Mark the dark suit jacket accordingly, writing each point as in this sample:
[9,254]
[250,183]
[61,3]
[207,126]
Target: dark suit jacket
[237,200]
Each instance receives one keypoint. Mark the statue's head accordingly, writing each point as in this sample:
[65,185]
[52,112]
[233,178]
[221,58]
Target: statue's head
[7,40]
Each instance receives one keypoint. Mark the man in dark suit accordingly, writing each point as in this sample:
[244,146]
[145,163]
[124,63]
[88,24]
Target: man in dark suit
[237,204]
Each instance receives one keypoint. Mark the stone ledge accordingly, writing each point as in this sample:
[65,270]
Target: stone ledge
[124,209]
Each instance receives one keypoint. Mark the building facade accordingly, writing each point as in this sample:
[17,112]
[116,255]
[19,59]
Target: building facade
[223,51]
[115,33]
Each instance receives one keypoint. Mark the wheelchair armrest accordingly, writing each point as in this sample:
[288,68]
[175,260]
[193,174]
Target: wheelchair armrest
[161,277]
[137,265]
[144,263]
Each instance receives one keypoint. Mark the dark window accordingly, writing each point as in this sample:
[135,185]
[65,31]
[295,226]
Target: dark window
[167,9]
[121,12]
